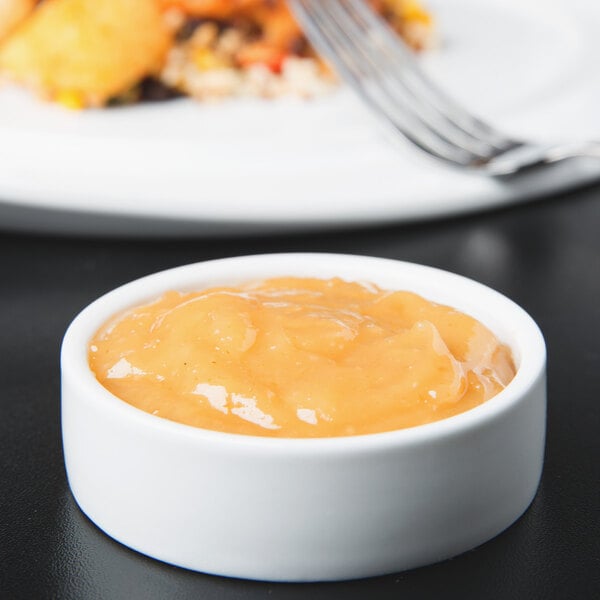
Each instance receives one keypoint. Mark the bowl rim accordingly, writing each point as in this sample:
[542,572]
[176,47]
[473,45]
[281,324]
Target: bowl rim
[74,360]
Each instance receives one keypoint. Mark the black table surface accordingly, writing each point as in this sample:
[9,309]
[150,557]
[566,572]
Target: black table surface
[544,255]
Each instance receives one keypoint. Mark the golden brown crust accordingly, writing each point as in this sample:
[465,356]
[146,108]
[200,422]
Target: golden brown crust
[86,49]
[12,13]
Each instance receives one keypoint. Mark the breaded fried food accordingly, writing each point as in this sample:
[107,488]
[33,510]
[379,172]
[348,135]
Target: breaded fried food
[86,51]
[12,12]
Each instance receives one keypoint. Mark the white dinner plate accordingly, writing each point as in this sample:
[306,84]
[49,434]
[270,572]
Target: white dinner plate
[529,66]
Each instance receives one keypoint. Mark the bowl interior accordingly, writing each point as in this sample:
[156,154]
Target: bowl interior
[511,324]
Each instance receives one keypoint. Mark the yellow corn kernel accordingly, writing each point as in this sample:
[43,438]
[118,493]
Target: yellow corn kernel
[70,99]
[206,60]
[413,11]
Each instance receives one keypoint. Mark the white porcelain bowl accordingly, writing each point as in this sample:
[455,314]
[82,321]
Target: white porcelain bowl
[305,509]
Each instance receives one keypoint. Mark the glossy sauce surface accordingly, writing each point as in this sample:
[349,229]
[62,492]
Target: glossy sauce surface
[292,357]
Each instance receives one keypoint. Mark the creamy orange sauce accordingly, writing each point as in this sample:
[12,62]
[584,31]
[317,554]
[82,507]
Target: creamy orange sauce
[291,357]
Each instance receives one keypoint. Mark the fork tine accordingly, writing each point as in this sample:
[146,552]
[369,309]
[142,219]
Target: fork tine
[420,84]
[397,78]
[333,42]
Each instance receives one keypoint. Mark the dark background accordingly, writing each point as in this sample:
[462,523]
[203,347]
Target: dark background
[544,255]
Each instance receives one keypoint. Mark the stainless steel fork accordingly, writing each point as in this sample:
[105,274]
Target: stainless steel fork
[375,63]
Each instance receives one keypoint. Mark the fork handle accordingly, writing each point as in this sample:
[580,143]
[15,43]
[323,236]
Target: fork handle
[528,157]
[590,149]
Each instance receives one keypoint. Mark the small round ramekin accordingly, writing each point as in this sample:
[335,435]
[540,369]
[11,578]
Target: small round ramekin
[305,509]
